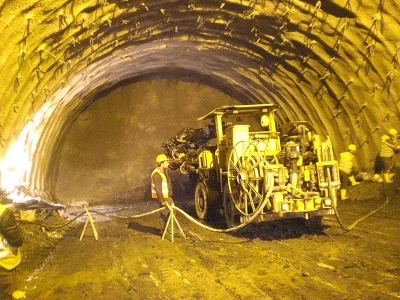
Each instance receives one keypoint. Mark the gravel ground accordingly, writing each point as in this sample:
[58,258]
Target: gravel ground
[269,260]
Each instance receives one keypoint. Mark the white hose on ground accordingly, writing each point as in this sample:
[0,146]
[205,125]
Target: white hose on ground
[257,212]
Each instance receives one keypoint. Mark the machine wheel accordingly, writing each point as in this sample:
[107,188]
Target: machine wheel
[232,215]
[201,200]
[246,177]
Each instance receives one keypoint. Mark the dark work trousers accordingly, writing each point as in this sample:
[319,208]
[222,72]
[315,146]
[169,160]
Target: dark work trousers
[378,167]
[344,179]
[387,164]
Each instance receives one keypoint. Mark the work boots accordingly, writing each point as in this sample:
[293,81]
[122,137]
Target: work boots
[353,181]
[377,178]
[343,194]
[387,178]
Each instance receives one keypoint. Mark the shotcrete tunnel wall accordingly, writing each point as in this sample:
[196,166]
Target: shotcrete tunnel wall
[332,63]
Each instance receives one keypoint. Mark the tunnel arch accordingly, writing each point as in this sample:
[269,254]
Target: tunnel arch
[330,63]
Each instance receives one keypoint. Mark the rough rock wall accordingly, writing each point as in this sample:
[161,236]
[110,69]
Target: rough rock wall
[109,152]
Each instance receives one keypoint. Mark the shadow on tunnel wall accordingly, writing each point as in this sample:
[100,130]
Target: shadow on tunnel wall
[109,152]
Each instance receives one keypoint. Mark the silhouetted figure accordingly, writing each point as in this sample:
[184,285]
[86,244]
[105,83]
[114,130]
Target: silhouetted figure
[11,238]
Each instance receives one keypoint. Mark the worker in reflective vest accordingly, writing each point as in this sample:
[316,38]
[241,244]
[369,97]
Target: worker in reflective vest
[11,238]
[161,188]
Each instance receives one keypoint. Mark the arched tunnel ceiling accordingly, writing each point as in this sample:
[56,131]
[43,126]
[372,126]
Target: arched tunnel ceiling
[333,63]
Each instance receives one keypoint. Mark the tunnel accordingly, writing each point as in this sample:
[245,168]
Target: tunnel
[90,89]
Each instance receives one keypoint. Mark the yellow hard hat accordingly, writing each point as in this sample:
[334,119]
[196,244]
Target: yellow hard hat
[264,121]
[352,147]
[161,158]
[393,132]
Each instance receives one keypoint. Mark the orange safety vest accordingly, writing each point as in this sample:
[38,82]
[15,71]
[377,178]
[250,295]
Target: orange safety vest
[164,187]
[8,260]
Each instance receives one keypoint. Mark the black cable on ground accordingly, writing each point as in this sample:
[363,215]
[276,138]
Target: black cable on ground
[55,226]
[64,224]
[130,217]
[363,218]
[348,228]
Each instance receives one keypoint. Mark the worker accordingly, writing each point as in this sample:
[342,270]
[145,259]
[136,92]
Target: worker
[385,157]
[346,170]
[161,188]
[11,238]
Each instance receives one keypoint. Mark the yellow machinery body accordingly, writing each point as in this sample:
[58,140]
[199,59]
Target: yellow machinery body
[258,171]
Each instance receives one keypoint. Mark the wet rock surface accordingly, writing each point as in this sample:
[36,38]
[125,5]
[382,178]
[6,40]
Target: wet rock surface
[271,260]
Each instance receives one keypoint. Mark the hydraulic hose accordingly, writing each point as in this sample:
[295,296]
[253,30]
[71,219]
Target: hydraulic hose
[56,226]
[257,212]
[363,218]
[64,224]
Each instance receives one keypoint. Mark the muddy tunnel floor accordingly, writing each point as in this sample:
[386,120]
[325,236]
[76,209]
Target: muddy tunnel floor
[269,260]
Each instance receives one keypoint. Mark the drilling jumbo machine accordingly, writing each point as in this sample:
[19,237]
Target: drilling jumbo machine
[246,166]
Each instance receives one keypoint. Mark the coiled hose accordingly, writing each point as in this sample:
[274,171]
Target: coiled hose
[257,212]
